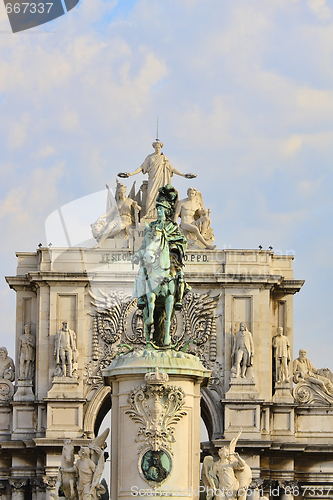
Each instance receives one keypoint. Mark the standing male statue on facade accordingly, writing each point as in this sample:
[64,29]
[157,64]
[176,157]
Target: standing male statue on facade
[65,350]
[242,352]
[281,348]
[27,354]
[159,171]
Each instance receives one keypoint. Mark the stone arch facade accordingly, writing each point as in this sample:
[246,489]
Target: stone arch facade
[211,413]
[98,407]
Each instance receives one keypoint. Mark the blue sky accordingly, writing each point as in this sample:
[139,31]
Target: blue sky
[244,95]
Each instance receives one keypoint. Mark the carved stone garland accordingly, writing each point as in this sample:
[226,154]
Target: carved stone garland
[118,327]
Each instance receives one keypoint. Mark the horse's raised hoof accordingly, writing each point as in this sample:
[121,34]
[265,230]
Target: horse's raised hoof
[178,306]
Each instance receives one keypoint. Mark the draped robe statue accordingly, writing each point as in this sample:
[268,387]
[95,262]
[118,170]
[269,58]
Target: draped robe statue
[159,171]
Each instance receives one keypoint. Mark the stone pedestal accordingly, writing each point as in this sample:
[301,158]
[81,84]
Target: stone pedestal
[24,391]
[282,393]
[64,408]
[242,388]
[24,420]
[61,385]
[155,428]
[242,409]
[5,422]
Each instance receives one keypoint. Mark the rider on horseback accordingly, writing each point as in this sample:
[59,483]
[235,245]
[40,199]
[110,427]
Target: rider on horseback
[166,202]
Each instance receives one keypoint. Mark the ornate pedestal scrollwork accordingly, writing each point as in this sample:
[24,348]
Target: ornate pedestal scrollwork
[157,407]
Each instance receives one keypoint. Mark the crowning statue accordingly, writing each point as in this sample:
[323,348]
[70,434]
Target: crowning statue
[229,477]
[118,218]
[159,171]
[195,221]
[160,283]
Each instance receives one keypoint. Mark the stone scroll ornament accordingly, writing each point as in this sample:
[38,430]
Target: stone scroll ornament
[157,407]
[313,386]
[118,326]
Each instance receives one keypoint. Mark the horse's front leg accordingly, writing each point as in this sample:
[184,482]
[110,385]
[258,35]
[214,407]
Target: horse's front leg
[57,486]
[148,313]
[169,302]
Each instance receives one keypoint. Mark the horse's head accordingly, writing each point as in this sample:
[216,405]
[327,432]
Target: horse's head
[68,452]
[153,249]
[156,250]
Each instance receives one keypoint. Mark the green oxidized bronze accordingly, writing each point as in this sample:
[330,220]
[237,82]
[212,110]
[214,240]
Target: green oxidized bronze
[160,283]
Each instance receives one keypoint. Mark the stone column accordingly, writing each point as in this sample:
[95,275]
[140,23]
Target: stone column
[38,488]
[49,483]
[155,427]
[255,490]
[288,488]
[4,493]
[18,488]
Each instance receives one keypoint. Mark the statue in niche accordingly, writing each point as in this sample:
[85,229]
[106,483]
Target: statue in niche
[228,477]
[160,283]
[119,217]
[242,352]
[65,352]
[195,221]
[159,171]
[7,368]
[27,354]
[304,371]
[82,480]
[281,348]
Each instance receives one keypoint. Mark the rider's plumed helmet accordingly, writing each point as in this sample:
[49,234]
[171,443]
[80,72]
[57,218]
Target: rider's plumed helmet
[167,197]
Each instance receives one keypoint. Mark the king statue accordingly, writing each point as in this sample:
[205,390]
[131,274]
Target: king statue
[160,284]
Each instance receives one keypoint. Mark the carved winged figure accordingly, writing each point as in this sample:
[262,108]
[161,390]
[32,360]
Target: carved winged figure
[228,477]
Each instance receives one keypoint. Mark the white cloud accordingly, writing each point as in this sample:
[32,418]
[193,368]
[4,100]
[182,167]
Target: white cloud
[45,151]
[293,144]
[320,8]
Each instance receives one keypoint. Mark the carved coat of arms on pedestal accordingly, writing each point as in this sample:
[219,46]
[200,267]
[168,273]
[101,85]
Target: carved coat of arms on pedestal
[157,407]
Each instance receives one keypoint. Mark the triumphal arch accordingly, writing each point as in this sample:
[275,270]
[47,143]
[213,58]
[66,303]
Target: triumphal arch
[154,320]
